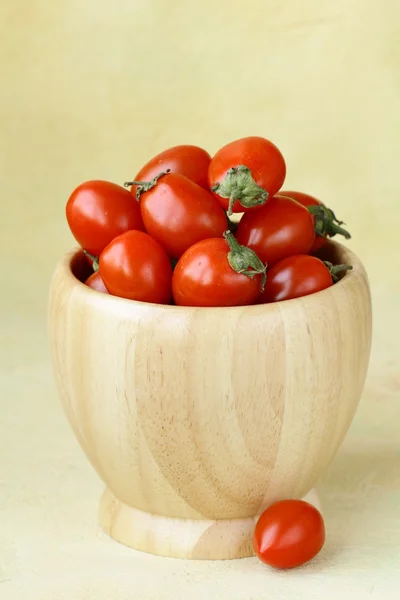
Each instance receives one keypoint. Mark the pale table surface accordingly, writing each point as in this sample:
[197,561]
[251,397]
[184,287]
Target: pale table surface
[51,547]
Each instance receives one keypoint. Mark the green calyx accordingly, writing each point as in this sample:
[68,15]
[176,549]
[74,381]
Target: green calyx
[239,185]
[244,260]
[145,186]
[94,259]
[326,223]
[335,270]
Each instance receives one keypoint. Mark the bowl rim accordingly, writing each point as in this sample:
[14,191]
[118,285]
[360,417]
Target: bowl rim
[65,265]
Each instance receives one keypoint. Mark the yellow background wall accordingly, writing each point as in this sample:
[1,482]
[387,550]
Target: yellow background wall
[91,89]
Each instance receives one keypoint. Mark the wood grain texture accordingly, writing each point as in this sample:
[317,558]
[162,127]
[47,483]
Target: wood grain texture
[207,414]
[180,538]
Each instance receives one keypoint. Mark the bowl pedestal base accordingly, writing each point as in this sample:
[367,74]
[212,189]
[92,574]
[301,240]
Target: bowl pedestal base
[179,538]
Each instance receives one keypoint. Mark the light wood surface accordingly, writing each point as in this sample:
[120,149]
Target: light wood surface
[207,414]
[180,538]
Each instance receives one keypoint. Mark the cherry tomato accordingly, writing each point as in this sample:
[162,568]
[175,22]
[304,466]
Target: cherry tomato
[298,276]
[307,200]
[279,229]
[190,161]
[98,211]
[178,213]
[238,189]
[135,266]
[325,222]
[96,283]
[288,534]
[204,275]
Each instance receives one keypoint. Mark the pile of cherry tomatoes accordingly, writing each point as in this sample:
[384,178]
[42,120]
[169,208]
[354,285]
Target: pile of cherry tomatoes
[171,238]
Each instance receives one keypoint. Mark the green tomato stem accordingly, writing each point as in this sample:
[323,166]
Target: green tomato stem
[243,260]
[326,222]
[94,259]
[145,186]
[335,270]
[239,185]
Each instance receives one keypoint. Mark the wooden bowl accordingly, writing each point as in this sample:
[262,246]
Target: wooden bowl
[196,419]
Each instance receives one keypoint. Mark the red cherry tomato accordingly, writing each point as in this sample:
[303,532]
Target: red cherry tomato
[190,161]
[294,277]
[307,200]
[96,283]
[298,276]
[135,266]
[178,213]
[279,229]
[98,211]
[288,534]
[326,221]
[242,189]
[203,276]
